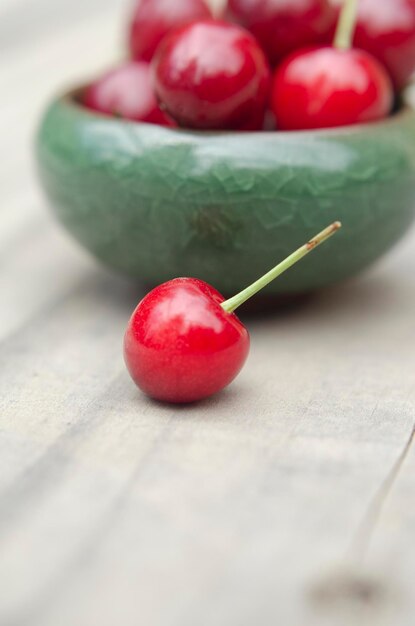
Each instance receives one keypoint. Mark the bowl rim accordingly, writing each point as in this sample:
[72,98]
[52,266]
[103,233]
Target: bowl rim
[71,99]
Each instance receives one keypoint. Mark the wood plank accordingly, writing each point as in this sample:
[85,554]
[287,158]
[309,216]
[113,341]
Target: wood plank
[238,486]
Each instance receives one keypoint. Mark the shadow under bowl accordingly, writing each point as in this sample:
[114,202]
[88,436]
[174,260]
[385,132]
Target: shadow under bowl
[156,203]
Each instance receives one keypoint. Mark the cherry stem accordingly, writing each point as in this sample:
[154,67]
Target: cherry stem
[346,25]
[233,303]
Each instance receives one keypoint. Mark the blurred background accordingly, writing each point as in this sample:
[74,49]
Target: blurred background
[45,48]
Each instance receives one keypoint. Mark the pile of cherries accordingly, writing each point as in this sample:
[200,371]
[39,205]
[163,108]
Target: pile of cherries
[284,64]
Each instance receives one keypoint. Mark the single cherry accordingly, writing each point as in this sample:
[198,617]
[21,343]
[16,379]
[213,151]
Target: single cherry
[211,74]
[282,26]
[153,19]
[331,86]
[184,342]
[127,92]
[386,29]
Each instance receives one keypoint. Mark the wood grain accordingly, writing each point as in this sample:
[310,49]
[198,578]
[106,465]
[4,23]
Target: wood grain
[286,500]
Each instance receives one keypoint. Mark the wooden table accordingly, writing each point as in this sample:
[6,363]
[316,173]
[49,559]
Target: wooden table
[288,500]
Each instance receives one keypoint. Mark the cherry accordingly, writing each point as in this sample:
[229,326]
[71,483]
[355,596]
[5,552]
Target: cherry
[282,26]
[211,74]
[181,345]
[324,87]
[127,91]
[184,342]
[386,29]
[153,19]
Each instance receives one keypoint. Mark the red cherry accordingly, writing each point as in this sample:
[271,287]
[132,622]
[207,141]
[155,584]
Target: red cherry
[337,86]
[326,87]
[184,342]
[282,26]
[153,19]
[386,29]
[127,91]
[181,346]
[211,74]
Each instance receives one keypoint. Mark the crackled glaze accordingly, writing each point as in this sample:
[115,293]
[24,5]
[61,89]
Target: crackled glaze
[157,203]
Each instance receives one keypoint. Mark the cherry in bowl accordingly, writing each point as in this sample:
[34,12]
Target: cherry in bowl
[330,86]
[327,87]
[127,92]
[153,19]
[386,29]
[282,26]
[213,75]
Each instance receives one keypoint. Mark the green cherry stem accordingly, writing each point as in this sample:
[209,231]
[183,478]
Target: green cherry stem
[233,303]
[346,25]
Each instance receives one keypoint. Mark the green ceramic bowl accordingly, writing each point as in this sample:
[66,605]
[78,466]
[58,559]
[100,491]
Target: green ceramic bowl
[157,203]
